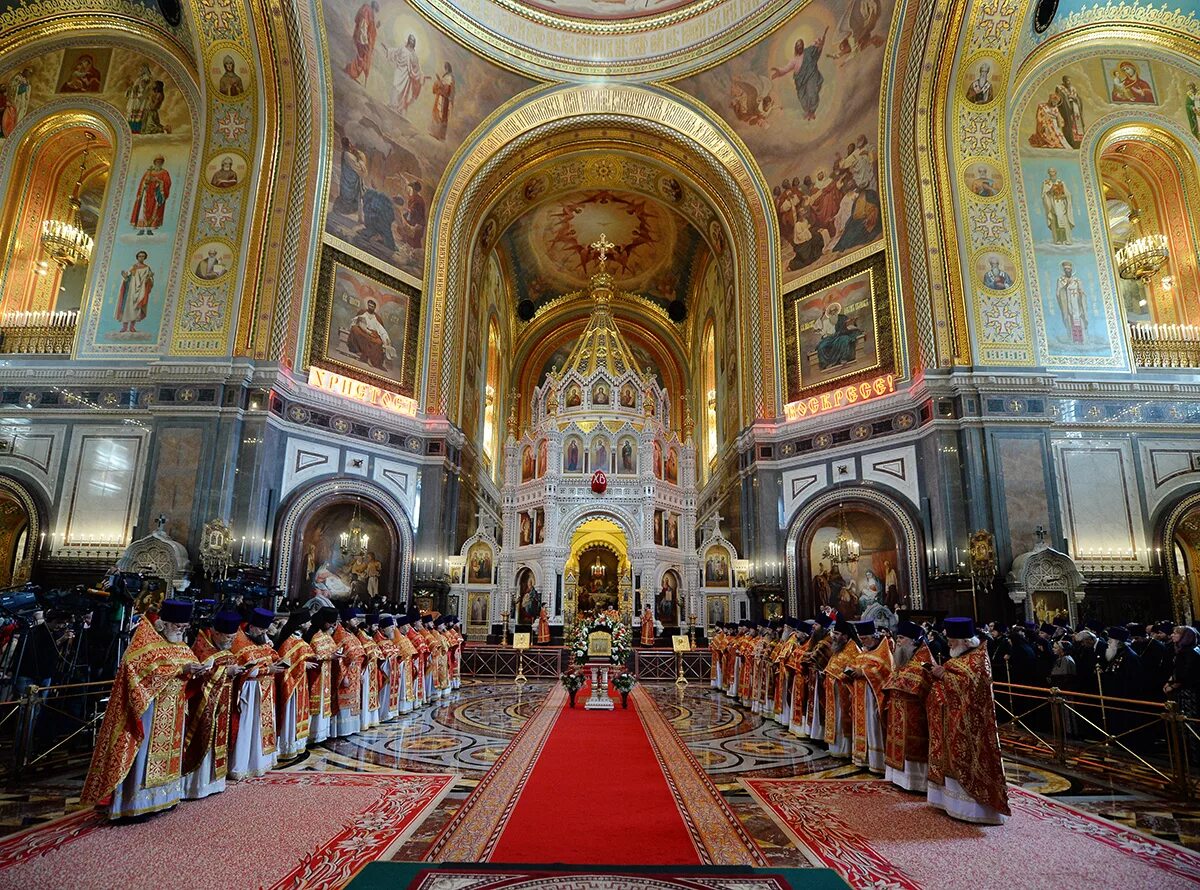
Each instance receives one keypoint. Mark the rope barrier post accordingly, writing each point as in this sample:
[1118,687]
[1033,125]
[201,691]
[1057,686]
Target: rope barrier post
[1058,724]
[1177,747]
[24,741]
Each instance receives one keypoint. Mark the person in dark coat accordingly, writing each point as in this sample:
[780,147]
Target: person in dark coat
[1121,675]
[1154,657]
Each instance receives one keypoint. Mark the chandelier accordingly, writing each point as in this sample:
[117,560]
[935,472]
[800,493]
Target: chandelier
[64,239]
[354,541]
[1145,252]
[843,550]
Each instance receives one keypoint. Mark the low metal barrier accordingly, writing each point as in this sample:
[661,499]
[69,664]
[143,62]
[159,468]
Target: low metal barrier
[51,727]
[650,665]
[1152,745]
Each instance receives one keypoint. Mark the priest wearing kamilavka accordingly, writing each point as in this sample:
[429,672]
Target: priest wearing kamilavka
[388,666]
[371,679]
[966,774]
[871,670]
[405,689]
[906,751]
[421,662]
[254,744]
[347,675]
[206,744]
[839,689]
[146,713]
[454,633]
[294,713]
[716,649]
[813,664]
[320,673]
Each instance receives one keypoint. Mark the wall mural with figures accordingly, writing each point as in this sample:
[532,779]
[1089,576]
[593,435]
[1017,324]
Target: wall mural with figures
[796,99]
[135,276]
[324,569]
[404,97]
[870,587]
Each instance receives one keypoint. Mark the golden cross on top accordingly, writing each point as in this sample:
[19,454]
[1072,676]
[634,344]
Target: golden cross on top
[602,246]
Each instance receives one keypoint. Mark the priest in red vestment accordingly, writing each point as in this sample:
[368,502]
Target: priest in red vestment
[906,750]
[871,670]
[254,748]
[647,626]
[138,761]
[839,689]
[543,626]
[966,774]
[348,676]
[320,674]
[293,715]
[206,745]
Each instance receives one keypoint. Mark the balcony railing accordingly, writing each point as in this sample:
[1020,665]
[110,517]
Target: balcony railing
[1165,345]
[38,333]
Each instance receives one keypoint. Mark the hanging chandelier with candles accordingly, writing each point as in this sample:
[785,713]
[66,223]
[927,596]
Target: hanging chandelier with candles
[1145,252]
[354,540]
[843,550]
[64,239]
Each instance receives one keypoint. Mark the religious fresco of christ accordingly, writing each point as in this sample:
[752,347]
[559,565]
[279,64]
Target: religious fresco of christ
[85,77]
[806,75]
[407,79]
[369,340]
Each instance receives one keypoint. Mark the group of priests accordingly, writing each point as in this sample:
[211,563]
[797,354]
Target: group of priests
[250,691]
[878,698]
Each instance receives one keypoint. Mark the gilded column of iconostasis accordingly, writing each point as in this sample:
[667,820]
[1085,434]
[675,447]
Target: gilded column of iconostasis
[174,115]
[1054,138]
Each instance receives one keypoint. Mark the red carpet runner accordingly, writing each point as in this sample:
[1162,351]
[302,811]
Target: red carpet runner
[598,777]
[596,787]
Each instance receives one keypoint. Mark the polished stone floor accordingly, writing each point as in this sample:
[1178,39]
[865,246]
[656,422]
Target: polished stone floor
[466,733]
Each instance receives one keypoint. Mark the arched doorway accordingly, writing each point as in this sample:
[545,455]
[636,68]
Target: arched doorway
[598,571]
[20,533]
[1181,556]
[886,575]
[345,539]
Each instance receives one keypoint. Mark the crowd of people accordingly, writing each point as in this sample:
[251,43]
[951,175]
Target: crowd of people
[194,707]
[913,704]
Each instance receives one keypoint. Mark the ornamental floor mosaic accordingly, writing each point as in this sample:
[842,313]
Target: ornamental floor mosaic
[465,735]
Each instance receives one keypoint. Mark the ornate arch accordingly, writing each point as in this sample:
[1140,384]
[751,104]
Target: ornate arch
[695,140]
[618,515]
[20,490]
[893,507]
[287,525]
[1166,538]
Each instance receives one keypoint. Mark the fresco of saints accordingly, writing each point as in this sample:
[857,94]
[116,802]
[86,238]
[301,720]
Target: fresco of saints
[839,334]
[151,198]
[352,177]
[211,266]
[8,112]
[443,101]
[600,394]
[628,396]
[151,122]
[1129,86]
[805,74]
[858,217]
[996,278]
[1048,125]
[366,30]
[84,78]
[230,83]
[857,25]
[415,217]
[224,177]
[136,95]
[134,295]
[1070,107]
[574,396]
[979,91]
[1192,106]
[1072,303]
[572,462]
[984,184]
[407,79]
[368,339]
[628,464]
[19,89]
[1058,206]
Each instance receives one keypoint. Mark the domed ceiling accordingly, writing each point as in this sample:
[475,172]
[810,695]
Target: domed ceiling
[548,249]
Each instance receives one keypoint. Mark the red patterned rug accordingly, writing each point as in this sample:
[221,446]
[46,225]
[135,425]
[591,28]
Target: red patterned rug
[310,830]
[669,812]
[876,835]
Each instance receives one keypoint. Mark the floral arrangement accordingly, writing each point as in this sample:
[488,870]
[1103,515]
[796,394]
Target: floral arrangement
[624,683]
[573,682]
[622,637]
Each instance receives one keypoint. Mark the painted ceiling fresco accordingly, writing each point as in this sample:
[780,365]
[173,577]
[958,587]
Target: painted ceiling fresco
[405,97]
[806,102]
[548,248]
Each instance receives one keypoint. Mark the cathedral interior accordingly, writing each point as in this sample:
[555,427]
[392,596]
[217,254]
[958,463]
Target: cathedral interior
[694,312]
